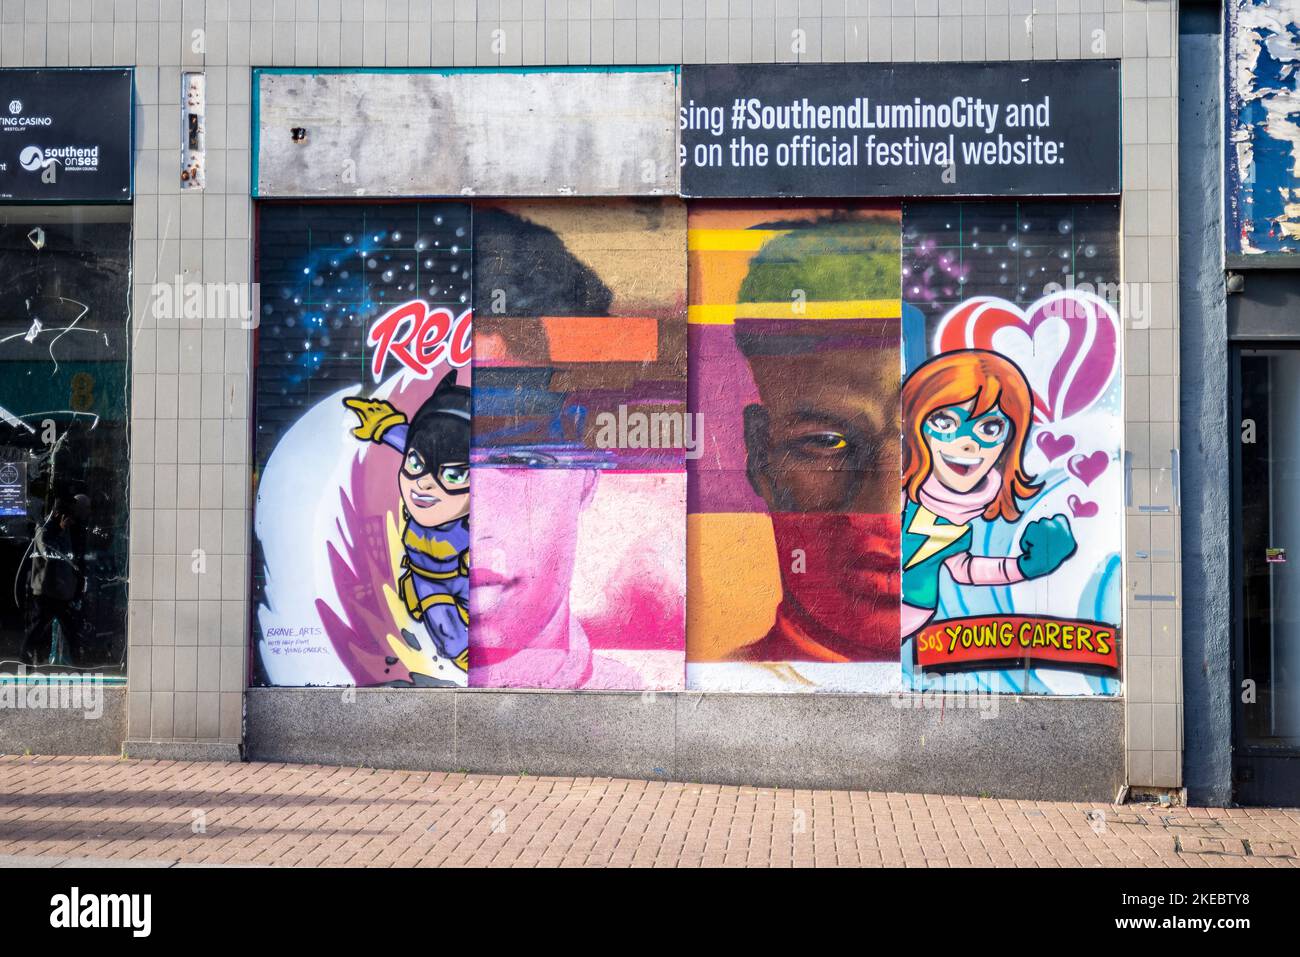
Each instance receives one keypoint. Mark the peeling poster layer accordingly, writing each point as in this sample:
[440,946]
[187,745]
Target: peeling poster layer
[1263,126]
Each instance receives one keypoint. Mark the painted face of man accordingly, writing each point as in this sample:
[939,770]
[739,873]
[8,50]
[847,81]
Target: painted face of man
[433,495]
[524,551]
[825,438]
[823,452]
[964,447]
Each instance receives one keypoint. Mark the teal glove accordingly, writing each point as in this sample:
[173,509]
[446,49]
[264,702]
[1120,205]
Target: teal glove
[1045,545]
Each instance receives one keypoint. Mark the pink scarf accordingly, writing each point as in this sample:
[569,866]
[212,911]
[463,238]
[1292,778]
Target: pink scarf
[959,507]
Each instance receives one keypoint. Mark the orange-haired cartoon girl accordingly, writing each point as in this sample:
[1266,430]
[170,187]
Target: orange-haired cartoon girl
[966,418]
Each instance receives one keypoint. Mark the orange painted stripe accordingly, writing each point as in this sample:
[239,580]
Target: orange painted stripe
[602,338]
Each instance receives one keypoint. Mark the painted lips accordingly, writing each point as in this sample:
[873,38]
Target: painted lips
[422,500]
[960,464]
[486,577]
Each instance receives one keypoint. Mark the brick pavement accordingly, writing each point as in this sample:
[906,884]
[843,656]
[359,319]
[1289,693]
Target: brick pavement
[90,810]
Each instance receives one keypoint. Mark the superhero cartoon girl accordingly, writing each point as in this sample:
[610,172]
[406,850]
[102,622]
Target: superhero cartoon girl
[434,483]
[966,418]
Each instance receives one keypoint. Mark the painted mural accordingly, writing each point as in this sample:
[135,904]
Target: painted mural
[793,531]
[1011,413]
[361,451]
[895,462]
[1262,134]
[579,446]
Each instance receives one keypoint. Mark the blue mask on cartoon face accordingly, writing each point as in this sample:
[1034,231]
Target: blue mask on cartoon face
[947,425]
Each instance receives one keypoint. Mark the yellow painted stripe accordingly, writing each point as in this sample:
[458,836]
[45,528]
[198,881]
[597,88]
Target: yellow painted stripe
[730,240]
[725,314]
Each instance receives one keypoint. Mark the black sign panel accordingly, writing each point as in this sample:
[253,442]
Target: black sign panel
[65,136]
[913,129]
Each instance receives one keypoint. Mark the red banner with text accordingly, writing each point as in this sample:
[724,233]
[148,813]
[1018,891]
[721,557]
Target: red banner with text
[962,642]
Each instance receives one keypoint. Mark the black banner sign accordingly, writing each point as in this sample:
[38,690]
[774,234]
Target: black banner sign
[65,135]
[913,129]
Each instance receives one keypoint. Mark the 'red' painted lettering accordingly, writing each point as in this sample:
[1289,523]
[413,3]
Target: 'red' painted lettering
[420,338]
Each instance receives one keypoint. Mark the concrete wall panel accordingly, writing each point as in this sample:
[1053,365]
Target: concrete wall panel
[1043,749]
[558,133]
[94,724]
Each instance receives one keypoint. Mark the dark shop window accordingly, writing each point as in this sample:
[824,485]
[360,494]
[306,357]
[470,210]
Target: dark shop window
[64,401]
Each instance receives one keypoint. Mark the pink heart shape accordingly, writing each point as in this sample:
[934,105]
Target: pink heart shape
[1054,447]
[1066,343]
[1088,467]
[1082,509]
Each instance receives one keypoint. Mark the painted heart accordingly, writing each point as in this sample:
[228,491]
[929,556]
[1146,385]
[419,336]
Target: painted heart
[1088,467]
[1054,447]
[1066,344]
[1082,509]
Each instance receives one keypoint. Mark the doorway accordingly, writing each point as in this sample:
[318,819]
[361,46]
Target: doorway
[1266,574]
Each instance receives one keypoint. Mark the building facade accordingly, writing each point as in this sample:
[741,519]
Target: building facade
[647,307]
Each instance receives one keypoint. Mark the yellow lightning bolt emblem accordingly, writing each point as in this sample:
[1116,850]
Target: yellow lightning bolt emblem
[938,537]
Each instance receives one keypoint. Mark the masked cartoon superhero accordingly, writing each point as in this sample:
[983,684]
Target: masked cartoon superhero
[966,418]
[434,483]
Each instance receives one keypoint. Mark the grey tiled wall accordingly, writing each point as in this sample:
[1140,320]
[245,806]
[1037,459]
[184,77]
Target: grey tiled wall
[190,482]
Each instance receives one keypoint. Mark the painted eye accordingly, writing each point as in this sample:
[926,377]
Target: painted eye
[990,430]
[454,476]
[944,422]
[414,463]
[825,442]
[522,457]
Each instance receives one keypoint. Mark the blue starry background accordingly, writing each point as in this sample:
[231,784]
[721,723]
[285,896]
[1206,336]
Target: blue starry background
[1013,250]
[326,272]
